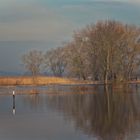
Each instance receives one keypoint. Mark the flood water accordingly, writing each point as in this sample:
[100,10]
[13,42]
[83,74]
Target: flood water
[70,113]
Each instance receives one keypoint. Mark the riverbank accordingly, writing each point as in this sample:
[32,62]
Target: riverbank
[45,80]
[40,80]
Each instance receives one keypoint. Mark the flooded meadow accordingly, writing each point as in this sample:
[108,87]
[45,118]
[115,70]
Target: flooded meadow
[81,112]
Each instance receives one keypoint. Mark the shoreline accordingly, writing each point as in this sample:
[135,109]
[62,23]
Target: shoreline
[40,81]
[45,80]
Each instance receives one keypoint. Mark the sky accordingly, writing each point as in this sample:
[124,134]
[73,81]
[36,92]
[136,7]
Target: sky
[45,24]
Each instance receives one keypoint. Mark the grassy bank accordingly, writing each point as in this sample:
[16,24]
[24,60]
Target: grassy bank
[41,80]
[44,80]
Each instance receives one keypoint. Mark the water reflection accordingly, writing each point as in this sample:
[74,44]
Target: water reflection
[33,101]
[14,105]
[108,113]
[111,114]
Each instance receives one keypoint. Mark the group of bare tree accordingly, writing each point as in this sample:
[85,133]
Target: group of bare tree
[107,50]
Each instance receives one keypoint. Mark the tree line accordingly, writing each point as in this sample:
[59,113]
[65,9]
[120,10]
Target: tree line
[107,50]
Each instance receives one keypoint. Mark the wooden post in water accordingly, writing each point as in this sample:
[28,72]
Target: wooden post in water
[14,107]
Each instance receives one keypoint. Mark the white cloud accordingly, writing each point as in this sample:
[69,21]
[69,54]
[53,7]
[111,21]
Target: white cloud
[34,30]
[109,0]
[130,1]
[30,21]
[134,1]
[27,20]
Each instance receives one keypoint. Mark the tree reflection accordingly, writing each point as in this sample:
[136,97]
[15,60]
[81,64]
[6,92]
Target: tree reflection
[34,101]
[110,114]
[14,104]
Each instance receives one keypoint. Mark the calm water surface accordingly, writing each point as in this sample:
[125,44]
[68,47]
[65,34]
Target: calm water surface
[70,113]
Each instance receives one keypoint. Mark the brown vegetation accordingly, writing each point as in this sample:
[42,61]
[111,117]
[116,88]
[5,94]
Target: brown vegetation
[41,80]
[44,80]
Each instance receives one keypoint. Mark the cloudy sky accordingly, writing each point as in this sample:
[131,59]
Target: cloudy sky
[42,24]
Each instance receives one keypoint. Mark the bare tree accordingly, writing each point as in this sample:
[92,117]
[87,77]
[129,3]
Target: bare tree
[33,62]
[107,50]
[55,61]
[111,51]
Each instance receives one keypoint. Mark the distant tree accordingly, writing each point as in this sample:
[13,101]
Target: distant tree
[33,61]
[55,61]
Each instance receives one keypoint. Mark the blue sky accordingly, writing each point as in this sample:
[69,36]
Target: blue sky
[42,24]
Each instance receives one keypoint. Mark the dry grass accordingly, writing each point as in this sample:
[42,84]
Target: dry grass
[41,80]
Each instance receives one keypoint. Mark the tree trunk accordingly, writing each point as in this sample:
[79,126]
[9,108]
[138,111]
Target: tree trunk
[107,67]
